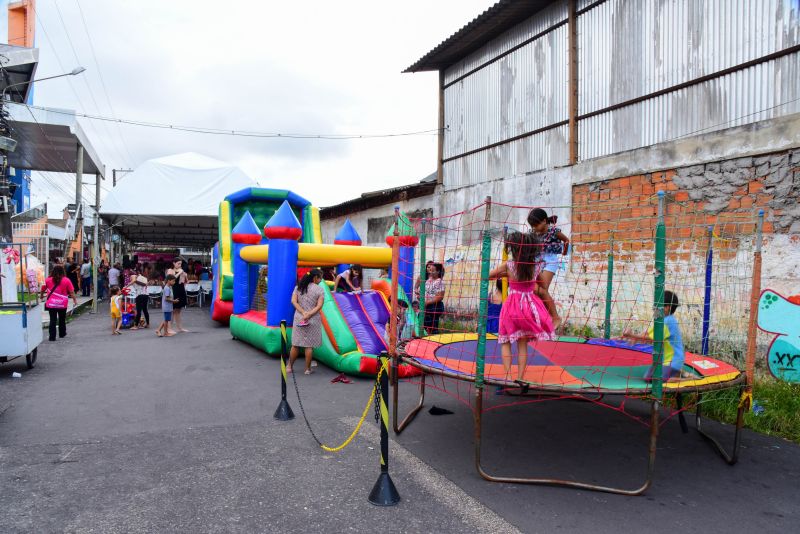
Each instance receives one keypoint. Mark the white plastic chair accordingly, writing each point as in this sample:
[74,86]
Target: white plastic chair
[154,293]
[192,293]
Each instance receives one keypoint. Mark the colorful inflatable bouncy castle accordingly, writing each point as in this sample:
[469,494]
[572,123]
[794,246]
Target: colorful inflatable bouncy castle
[281,231]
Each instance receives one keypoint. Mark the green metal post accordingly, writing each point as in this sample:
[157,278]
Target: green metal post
[609,287]
[422,275]
[486,251]
[658,299]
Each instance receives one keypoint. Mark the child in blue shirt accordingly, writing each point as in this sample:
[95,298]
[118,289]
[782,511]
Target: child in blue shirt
[673,341]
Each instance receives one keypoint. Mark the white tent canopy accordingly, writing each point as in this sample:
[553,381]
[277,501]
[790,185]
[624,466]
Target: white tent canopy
[173,201]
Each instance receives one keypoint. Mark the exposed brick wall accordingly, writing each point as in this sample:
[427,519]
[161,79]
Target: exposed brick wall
[698,195]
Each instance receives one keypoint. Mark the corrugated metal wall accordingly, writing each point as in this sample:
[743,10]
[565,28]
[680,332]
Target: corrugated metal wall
[627,49]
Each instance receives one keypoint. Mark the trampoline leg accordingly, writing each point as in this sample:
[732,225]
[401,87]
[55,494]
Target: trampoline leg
[733,457]
[651,460]
[399,427]
[681,417]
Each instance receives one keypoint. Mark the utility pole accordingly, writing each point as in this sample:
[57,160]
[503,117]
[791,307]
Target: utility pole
[96,241]
[78,200]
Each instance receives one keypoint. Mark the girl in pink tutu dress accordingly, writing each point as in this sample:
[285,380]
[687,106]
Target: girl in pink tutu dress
[524,316]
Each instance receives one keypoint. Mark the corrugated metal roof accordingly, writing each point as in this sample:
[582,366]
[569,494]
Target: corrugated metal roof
[494,21]
[372,199]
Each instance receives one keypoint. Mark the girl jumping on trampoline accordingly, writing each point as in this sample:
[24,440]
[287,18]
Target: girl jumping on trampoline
[554,244]
[524,316]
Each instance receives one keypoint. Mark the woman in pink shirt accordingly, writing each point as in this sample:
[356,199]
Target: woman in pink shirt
[56,292]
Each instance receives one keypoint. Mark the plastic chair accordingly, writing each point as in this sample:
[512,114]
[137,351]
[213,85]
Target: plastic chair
[154,293]
[192,293]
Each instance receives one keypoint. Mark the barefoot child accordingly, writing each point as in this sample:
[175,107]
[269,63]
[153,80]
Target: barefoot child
[116,310]
[523,316]
[554,244]
[167,301]
[673,340]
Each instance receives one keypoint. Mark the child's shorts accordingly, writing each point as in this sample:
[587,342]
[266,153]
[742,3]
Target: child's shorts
[167,316]
[551,262]
[116,315]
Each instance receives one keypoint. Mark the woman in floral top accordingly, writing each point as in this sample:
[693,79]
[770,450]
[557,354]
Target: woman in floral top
[434,297]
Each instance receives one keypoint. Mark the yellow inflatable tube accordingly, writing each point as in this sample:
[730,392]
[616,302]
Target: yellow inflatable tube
[312,254]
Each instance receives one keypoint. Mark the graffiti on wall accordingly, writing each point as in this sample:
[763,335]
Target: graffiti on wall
[780,315]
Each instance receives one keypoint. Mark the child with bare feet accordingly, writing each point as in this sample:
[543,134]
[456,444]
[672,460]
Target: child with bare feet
[554,244]
[167,300]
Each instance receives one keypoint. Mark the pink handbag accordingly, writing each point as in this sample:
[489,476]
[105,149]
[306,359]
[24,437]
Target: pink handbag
[56,301]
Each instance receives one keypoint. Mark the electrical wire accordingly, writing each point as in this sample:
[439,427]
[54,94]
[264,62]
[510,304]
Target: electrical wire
[102,81]
[85,79]
[237,133]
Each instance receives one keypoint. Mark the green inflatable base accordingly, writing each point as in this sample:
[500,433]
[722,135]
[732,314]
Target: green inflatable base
[268,339]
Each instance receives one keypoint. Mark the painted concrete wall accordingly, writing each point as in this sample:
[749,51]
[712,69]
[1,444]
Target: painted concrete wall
[360,220]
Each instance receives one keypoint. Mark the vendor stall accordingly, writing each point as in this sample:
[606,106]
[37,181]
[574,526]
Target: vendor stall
[20,310]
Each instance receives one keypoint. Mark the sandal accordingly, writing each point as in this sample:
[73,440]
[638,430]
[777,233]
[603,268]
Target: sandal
[307,372]
[523,387]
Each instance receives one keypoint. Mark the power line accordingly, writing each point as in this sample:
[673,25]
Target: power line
[102,80]
[111,137]
[237,133]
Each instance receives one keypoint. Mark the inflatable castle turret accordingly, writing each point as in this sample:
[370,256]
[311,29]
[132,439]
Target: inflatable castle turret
[283,231]
[245,274]
[408,241]
[347,236]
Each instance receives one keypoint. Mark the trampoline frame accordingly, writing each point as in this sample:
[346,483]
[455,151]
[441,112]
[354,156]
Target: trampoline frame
[399,425]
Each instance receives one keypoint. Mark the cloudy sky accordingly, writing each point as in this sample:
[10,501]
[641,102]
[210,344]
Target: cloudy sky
[314,67]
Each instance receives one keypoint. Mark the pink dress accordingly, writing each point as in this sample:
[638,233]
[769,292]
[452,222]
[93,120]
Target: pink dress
[524,314]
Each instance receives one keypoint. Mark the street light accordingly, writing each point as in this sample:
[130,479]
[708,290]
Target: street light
[73,72]
[7,144]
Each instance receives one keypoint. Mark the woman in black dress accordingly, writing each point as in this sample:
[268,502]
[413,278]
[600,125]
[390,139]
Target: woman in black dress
[179,293]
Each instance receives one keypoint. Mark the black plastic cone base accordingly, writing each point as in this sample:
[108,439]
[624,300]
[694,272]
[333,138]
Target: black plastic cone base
[383,492]
[284,412]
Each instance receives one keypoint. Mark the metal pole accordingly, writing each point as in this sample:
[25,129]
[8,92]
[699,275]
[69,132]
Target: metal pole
[423,275]
[486,250]
[609,290]
[393,334]
[78,200]
[384,492]
[96,244]
[572,28]
[284,411]
[658,299]
[504,258]
[755,293]
[440,141]
[707,295]
[114,177]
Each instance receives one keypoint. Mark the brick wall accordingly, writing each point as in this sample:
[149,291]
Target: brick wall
[721,193]
[619,215]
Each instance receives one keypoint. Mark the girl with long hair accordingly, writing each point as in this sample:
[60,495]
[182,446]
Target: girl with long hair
[523,317]
[307,299]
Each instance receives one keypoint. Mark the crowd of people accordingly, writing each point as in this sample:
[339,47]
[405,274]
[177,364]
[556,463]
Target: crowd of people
[118,280]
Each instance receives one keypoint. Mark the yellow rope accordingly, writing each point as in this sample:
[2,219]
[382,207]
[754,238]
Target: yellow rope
[360,422]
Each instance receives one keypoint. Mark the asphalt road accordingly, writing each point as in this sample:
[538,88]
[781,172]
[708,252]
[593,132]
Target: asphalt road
[133,433]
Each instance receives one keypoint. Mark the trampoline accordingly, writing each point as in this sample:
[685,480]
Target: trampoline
[568,365]
[612,282]
[571,368]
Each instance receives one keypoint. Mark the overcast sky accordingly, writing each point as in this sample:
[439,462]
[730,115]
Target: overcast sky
[317,67]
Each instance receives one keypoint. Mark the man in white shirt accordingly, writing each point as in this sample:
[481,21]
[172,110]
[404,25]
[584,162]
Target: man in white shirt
[113,275]
[86,277]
